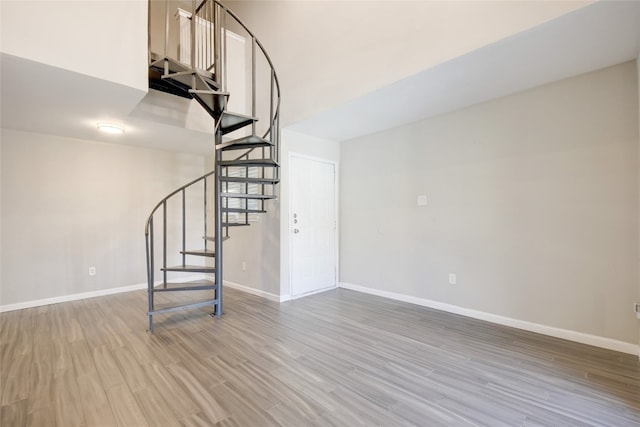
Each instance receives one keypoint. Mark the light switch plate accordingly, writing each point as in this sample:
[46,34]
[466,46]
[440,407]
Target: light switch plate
[422,200]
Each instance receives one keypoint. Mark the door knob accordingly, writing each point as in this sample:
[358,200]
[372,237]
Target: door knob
[296,231]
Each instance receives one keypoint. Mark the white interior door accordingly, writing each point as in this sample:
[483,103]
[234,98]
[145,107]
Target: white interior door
[313,225]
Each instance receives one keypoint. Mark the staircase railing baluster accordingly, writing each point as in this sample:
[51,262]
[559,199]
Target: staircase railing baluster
[218,231]
[192,54]
[166,28]
[164,243]
[253,83]
[150,273]
[216,44]
[225,64]
[206,218]
[184,227]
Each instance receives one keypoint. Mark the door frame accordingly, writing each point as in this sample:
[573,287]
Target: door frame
[336,198]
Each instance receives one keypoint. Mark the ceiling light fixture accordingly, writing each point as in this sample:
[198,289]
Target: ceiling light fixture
[110,128]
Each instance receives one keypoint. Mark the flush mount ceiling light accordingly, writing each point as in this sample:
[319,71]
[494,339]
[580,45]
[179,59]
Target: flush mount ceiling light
[110,128]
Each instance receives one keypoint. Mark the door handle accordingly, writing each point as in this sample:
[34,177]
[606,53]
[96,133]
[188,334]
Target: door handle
[296,231]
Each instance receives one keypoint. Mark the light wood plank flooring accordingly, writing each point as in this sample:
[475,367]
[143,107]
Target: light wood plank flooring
[339,358]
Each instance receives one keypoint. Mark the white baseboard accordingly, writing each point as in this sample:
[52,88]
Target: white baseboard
[91,294]
[285,298]
[292,297]
[253,291]
[580,337]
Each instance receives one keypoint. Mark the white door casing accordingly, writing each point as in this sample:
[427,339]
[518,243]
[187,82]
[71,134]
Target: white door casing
[313,225]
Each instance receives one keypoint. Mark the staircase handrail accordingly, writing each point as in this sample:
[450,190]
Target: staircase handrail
[170,195]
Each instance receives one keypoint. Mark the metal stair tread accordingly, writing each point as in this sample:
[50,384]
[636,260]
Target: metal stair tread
[199,252]
[185,80]
[190,268]
[233,121]
[186,71]
[171,308]
[193,285]
[174,66]
[250,141]
[249,163]
[189,283]
[212,101]
[243,210]
[250,180]
[248,196]
[213,238]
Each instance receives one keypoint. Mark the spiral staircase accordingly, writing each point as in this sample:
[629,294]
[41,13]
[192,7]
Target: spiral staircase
[245,149]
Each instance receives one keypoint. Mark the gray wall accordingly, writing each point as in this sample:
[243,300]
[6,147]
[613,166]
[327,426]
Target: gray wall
[69,204]
[533,201]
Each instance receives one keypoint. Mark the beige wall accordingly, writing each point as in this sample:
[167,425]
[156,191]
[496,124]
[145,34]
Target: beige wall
[69,204]
[533,201]
[328,52]
[100,38]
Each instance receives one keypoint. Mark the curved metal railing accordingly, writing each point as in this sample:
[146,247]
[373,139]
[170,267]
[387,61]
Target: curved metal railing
[149,229]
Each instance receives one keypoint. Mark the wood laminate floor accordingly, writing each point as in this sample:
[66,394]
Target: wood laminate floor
[339,358]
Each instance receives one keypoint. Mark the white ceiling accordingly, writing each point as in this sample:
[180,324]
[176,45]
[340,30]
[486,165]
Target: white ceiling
[44,99]
[591,38]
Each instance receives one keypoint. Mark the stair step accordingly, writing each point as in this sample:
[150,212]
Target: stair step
[250,180]
[251,141]
[203,80]
[156,82]
[157,63]
[235,224]
[265,163]
[191,269]
[243,210]
[200,252]
[213,239]
[248,196]
[212,101]
[195,285]
[156,71]
[234,121]
[183,307]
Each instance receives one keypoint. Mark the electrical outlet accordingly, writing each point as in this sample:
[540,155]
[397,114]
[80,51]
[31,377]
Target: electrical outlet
[421,200]
[92,271]
[452,279]
[244,265]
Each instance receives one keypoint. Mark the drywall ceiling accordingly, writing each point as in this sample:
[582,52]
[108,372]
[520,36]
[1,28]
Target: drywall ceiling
[590,38]
[44,99]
